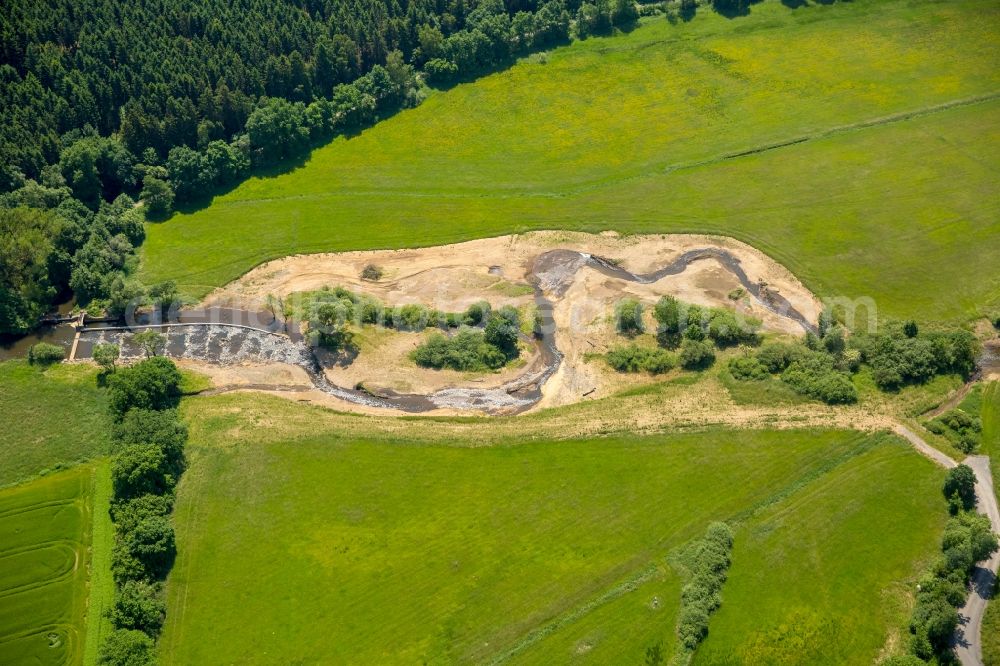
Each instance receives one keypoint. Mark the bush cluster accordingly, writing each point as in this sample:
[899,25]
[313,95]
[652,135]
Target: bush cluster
[472,350]
[628,317]
[961,429]
[332,311]
[816,372]
[903,355]
[467,350]
[821,366]
[708,561]
[633,358]
[148,440]
[748,368]
[337,307]
[677,320]
[694,329]
[696,355]
[43,353]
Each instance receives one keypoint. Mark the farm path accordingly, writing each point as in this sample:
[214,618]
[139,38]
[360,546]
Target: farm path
[968,637]
[923,447]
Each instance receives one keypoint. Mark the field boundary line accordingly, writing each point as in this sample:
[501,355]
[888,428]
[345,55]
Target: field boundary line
[629,585]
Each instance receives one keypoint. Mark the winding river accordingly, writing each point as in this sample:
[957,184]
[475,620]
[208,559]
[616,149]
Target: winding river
[232,336]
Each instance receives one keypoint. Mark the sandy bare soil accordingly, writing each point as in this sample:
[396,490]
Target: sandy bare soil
[451,277]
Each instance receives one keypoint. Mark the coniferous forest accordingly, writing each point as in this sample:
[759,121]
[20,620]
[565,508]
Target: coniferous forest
[109,103]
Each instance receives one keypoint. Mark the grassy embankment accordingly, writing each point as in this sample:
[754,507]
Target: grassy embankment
[526,551]
[637,133]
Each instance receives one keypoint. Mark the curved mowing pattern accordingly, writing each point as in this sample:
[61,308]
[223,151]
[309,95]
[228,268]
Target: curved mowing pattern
[44,531]
[551,275]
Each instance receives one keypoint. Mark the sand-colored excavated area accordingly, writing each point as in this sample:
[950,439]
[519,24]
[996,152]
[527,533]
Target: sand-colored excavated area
[452,277]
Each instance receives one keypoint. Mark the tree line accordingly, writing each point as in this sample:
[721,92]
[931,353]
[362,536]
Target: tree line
[968,538]
[148,440]
[169,101]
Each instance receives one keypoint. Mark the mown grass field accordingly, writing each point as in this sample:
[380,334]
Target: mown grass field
[52,418]
[45,530]
[844,542]
[884,194]
[524,552]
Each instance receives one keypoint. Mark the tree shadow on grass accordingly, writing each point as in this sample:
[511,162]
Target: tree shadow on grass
[275,170]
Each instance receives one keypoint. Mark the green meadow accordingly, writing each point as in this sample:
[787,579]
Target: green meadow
[53,418]
[520,552]
[45,532]
[799,564]
[854,142]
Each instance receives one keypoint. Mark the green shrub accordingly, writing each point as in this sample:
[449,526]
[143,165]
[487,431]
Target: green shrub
[127,647]
[813,374]
[476,313]
[150,342]
[466,350]
[747,368]
[411,317]
[501,331]
[633,358]
[726,330]
[776,356]
[959,428]
[696,355]
[834,341]
[106,355]
[668,318]
[960,482]
[150,384]
[628,317]
[138,606]
[43,353]
[139,469]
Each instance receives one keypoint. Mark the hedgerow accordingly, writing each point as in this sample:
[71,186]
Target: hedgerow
[707,560]
[148,446]
[968,539]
